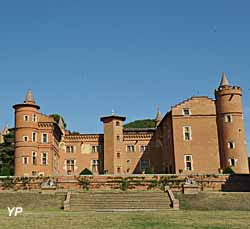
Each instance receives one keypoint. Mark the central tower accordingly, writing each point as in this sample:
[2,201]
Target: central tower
[113,144]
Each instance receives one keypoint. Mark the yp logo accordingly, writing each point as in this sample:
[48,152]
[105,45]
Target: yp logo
[15,211]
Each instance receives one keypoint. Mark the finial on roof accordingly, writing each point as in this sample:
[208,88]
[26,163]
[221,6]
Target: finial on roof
[224,80]
[158,117]
[113,112]
[29,97]
[61,123]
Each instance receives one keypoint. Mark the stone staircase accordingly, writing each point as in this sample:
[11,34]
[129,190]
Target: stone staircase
[237,183]
[118,201]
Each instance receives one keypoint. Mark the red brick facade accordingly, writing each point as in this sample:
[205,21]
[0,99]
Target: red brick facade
[199,135]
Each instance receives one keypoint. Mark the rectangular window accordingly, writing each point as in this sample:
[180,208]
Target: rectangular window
[34,137]
[188,162]
[143,149]
[145,164]
[95,166]
[118,155]
[228,118]
[130,148]
[44,158]
[231,145]
[45,138]
[70,149]
[186,112]
[232,162]
[34,118]
[187,133]
[118,138]
[25,118]
[70,166]
[25,160]
[119,170]
[117,123]
[25,138]
[34,158]
[96,149]
[34,173]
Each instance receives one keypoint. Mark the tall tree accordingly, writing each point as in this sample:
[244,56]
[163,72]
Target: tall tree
[7,154]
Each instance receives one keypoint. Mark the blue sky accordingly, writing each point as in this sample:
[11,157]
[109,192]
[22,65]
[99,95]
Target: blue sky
[84,58]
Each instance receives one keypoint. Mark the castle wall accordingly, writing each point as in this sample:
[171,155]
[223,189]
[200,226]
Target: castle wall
[203,144]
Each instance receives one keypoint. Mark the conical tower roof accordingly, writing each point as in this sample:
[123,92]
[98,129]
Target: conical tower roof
[29,98]
[158,115]
[224,80]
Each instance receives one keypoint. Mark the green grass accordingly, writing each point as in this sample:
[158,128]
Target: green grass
[215,201]
[164,219]
[32,200]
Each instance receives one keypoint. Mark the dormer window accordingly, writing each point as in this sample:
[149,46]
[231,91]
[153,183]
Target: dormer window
[186,112]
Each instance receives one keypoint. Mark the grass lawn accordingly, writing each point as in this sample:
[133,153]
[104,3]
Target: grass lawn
[164,219]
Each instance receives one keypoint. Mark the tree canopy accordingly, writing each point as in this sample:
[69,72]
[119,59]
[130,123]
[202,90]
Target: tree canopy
[145,123]
[57,119]
[7,154]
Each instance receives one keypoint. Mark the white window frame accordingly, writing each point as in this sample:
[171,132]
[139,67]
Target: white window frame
[229,145]
[227,117]
[47,158]
[130,147]
[95,148]
[70,165]
[185,162]
[95,163]
[43,139]
[70,149]
[34,133]
[184,133]
[34,118]
[25,137]
[26,116]
[34,155]
[143,148]
[231,160]
[189,112]
[23,158]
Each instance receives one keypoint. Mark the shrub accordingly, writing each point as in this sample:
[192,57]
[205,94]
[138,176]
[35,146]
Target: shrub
[124,184]
[228,170]
[149,171]
[86,172]
[153,184]
[8,183]
[84,182]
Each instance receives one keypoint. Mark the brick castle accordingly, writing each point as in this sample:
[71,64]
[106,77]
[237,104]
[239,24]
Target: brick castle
[199,135]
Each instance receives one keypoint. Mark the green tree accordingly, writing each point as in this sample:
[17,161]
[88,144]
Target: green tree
[7,154]
[145,123]
[57,119]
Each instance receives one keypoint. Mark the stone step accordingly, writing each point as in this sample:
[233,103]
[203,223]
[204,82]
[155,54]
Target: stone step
[119,200]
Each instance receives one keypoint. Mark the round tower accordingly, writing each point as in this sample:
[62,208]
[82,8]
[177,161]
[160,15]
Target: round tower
[26,136]
[231,131]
